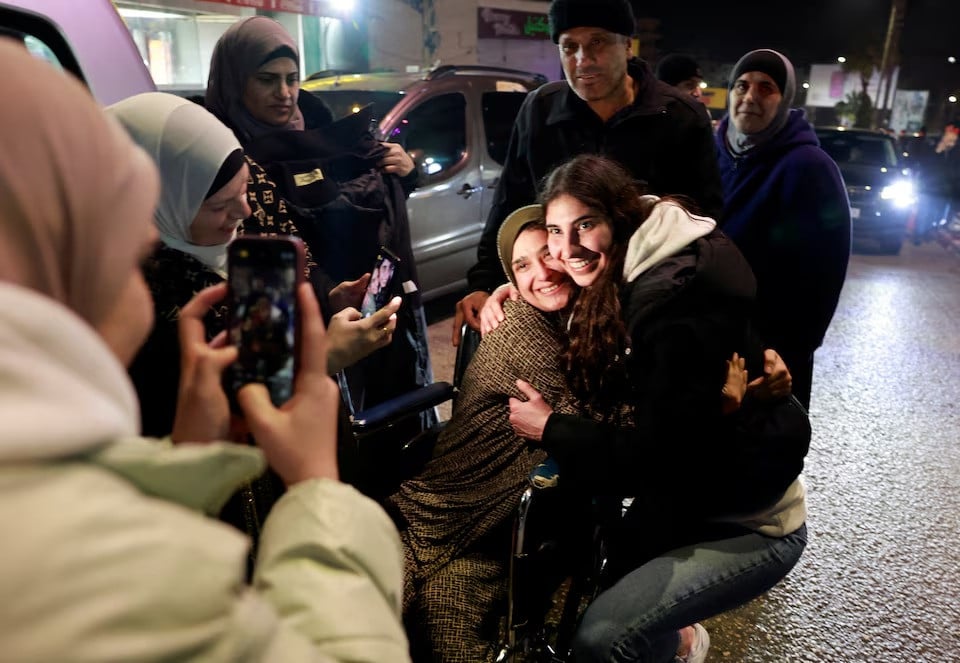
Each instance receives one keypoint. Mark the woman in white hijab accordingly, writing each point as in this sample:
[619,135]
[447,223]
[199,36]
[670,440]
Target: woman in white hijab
[202,201]
[106,554]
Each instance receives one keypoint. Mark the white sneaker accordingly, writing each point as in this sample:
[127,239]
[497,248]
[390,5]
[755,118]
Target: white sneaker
[699,647]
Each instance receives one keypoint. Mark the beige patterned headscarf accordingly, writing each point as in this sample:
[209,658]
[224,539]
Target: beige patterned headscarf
[76,195]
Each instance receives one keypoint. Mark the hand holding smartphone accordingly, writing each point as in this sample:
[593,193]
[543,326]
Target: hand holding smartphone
[263,274]
[381,282]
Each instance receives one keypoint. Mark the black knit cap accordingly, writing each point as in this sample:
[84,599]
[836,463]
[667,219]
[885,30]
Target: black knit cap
[676,68]
[766,62]
[613,15]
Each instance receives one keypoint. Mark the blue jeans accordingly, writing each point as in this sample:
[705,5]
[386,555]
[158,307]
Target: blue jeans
[639,617]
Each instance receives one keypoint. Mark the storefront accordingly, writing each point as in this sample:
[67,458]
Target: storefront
[517,39]
[176,37]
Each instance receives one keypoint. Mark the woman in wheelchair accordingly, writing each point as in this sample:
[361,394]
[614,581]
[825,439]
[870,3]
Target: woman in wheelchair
[455,515]
[718,509]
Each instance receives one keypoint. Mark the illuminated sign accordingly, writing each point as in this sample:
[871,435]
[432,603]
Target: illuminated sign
[508,24]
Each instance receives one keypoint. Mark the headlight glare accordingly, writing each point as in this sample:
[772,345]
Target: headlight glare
[900,193]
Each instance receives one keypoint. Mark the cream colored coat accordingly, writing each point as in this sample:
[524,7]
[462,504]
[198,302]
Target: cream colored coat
[104,555]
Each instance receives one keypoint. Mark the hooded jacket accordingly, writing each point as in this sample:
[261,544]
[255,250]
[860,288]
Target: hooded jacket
[107,556]
[664,138]
[786,208]
[686,304]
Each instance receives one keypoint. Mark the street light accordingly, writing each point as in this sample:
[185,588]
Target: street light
[952,98]
[951,60]
[841,59]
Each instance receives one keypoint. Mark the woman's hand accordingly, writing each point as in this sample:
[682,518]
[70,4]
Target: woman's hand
[491,315]
[299,438]
[776,381]
[349,293]
[529,417]
[396,160]
[203,413]
[735,387]
[352,337]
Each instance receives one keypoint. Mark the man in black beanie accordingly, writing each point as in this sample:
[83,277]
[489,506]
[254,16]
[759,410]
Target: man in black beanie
[683,72]
[610,104]
[786,209]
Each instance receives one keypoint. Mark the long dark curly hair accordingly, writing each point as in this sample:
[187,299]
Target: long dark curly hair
[597,339]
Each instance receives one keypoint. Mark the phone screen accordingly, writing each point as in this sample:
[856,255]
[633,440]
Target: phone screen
[378,290]
[263,277]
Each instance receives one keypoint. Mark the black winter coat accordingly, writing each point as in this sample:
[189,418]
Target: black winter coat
[685,461]
[345,208]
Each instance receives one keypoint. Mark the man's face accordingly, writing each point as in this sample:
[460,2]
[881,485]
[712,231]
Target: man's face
[754,100]
[692,87]
[540,280]
[594,62]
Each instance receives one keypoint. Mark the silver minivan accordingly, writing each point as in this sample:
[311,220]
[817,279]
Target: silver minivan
[455,121]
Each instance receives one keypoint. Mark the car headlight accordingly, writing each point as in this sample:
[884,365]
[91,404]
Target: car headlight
[900,193]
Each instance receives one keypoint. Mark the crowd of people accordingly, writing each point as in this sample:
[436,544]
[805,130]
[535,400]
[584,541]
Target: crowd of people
[651,294]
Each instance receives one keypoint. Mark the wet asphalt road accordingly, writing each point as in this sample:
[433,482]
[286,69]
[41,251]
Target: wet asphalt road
[880,578]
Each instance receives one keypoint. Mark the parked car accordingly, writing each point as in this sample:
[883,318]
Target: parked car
[880,186]
[455,121]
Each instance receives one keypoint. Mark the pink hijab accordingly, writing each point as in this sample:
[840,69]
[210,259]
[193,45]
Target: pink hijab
[241,50]
[76,195]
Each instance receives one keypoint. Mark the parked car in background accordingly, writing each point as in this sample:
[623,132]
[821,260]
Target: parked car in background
[880,186]
[455,121]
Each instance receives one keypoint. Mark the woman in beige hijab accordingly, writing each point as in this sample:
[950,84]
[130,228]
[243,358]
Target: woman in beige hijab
[107,555]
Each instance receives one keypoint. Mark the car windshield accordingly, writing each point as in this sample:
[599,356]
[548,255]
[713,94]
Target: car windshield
[344,102]
[859,149]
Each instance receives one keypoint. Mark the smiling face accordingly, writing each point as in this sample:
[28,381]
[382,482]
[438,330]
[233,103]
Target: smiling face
[595,63]
[270,94]
[579,238]
[540,280]
[754,100]
[221,213]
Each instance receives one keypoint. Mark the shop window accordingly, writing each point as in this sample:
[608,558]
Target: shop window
[435,134]
[499,113]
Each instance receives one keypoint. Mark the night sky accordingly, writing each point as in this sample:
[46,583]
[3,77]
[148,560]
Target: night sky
[814,31]
[808,31]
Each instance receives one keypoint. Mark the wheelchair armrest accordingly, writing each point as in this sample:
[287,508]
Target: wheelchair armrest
[545,474]
[402,406]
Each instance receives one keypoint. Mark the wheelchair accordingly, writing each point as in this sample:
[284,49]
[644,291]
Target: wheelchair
[557,557]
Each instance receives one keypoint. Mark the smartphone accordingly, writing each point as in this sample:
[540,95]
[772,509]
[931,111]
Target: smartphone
[262,275]
[381,282]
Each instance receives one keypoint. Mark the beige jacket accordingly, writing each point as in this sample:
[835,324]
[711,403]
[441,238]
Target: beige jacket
[105,555]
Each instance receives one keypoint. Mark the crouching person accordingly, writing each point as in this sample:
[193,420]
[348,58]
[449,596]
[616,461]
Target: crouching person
[106,549]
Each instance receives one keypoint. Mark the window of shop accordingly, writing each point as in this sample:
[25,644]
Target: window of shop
[176,44]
